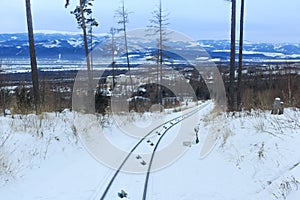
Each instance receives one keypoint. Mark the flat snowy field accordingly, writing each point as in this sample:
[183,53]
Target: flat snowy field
[256,156]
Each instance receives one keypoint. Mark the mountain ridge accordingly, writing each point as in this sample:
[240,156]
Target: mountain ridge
[69,46]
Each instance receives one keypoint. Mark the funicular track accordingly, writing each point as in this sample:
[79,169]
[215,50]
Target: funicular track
[166,127]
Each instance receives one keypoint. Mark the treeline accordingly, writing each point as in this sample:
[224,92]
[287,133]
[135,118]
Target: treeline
[261,85]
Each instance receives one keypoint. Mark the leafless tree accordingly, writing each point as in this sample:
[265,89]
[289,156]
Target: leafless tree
[33,63]
[113,31]
[239,83]
[122,14]
[158,27]
[231,88]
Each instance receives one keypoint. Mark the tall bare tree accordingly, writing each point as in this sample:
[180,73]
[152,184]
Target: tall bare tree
[122,14]
[33,63]
[231,89]
[239,83]
[2,90]
[158,26]
[113,31]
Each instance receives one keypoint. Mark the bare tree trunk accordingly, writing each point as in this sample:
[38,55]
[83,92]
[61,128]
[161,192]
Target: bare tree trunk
[34,72]
[91,49]
[126,44]
[2,91]
[160,51]
[86,48]
[159,24]
[289,84]
[239,84]
[113,32]
[232,57]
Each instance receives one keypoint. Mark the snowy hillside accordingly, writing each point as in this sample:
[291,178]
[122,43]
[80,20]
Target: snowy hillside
[256,157]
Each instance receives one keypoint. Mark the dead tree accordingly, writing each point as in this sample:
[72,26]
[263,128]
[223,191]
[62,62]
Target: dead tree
[33,63]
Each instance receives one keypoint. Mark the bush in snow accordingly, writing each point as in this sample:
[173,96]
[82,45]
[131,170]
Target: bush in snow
[24,100]
[286,187]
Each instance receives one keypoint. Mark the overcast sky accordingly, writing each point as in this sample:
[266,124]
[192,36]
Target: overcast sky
[265,20]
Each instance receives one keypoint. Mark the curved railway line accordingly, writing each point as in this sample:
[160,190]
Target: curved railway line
[166,127]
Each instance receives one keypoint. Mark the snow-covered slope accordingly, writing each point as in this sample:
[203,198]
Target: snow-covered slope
[257,157]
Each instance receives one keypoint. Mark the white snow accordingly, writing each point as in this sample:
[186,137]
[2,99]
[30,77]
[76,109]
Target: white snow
[57,32]
[269,54]
[223,50]
[53,44]
[74,42]
[256,157]
[193,44]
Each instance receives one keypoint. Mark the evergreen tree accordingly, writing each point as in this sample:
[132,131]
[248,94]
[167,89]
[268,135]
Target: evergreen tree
[83,16]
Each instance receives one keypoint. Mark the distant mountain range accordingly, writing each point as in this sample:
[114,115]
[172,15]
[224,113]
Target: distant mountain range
[48,45]
[69,46]
[254,52]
